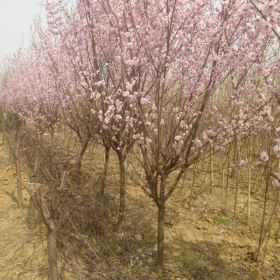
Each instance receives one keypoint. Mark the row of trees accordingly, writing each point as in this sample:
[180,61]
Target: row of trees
[178,79]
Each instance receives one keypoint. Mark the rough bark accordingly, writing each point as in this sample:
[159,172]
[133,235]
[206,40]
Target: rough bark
[262,230]
[160,235]
[122,189]
[80,157]
[52,256]
[19,187]
[105,171]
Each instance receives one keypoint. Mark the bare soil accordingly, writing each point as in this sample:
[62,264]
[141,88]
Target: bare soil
[22,249]
[202,242]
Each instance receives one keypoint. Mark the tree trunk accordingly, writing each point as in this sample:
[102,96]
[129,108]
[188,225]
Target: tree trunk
[277,234]
[52,135]
[261,238]
[249,195]
[81,156]
[249,182]
[19,187]
[223,179]
[121,159]
[52,256]
[160,235]
[236,173]
[38,154]
[267,232]
[18,174]
[227,182]
[105,171]
[211,170]
[36,162]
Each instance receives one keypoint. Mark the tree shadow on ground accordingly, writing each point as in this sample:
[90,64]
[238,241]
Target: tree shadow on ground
[12,195]
[90,248]
[203,261]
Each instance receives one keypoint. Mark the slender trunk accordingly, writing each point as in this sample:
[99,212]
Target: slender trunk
[236,173]
[228,165]
[160,235]
[52,256]
[249,195]
[81,156]
[142,169]
[52,135]
[36,163]
[249,183]
[211,169]
[18,171]
[51,234]
[42,207]
[38,155]
[193,183]
[223,179]
[261,238]
[235,193]
[105,171]
[270,223]
[277,235]
[19,187]
[121,159]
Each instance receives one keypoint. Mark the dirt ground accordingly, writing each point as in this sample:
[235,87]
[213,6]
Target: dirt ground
[202,243]
[21,245]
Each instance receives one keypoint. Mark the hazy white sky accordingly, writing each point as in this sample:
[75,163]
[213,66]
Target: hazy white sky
[16,18]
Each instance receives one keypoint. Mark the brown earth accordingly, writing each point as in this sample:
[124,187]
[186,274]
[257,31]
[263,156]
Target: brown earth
[202,242]
[21,246]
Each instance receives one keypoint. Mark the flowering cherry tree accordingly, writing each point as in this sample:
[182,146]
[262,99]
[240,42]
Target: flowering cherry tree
[104,82]
[31,94]
[189,50]
[150,73]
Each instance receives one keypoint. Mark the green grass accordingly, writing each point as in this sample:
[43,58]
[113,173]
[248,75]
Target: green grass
[223,220]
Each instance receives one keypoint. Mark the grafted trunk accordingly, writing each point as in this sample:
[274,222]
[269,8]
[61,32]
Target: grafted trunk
[262,230]
[19,187]
[18,173]
[38,155]
[249,183]
[52,135]
[36,162]
[121,159]
[277,234]
[52,255]
[236,174]
[105,171]
[81,156]
[211,170]
[227,181]
[160,235]
[51,236]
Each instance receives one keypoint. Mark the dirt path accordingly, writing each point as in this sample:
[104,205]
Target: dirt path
[21,250]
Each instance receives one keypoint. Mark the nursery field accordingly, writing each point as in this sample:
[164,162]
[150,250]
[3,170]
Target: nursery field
[202,242]
[141,141]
